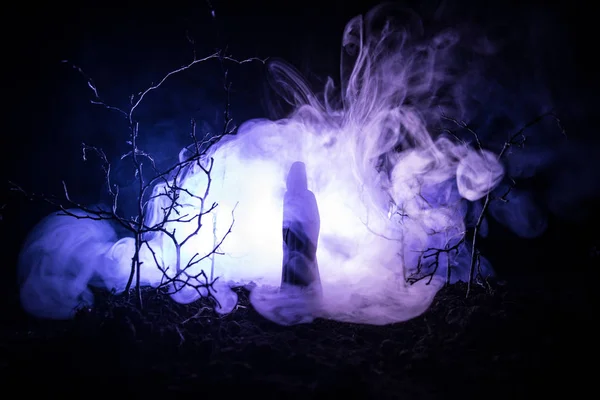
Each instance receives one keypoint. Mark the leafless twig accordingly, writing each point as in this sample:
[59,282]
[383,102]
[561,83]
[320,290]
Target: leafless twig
[517,139]
[166,187]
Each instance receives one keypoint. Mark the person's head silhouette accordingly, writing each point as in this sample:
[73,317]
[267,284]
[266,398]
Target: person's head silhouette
[296,179]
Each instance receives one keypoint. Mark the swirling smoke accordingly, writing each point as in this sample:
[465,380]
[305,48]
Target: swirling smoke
[388,187]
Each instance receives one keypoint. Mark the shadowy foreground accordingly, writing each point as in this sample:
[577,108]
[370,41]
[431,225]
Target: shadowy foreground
[519,341]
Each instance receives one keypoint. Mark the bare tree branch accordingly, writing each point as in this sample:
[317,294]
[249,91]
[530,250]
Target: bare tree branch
[517,139]
[163,187]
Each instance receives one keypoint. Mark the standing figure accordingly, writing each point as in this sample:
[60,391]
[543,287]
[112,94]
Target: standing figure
[301,226]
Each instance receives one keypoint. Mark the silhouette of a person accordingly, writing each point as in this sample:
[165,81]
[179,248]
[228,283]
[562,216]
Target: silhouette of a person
[301,226]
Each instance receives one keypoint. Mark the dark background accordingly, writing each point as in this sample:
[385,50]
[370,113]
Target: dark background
[529,338]
[125,46]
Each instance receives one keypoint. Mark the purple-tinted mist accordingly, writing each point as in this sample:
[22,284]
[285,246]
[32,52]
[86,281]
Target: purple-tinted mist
[387,188]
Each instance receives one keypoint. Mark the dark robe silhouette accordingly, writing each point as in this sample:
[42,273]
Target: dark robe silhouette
[301,226]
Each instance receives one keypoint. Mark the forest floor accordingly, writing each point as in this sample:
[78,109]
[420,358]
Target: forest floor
[520,340]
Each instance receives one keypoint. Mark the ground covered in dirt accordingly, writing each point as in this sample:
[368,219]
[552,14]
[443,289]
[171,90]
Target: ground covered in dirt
[526,338]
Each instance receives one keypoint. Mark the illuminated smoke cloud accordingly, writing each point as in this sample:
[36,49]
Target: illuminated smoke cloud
[386,185]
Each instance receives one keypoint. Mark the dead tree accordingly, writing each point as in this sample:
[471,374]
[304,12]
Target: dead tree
[163,185]
[429,259]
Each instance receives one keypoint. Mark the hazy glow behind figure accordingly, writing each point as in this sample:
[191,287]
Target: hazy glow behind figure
[387,189]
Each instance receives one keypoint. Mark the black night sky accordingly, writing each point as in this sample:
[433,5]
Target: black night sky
[524,335]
